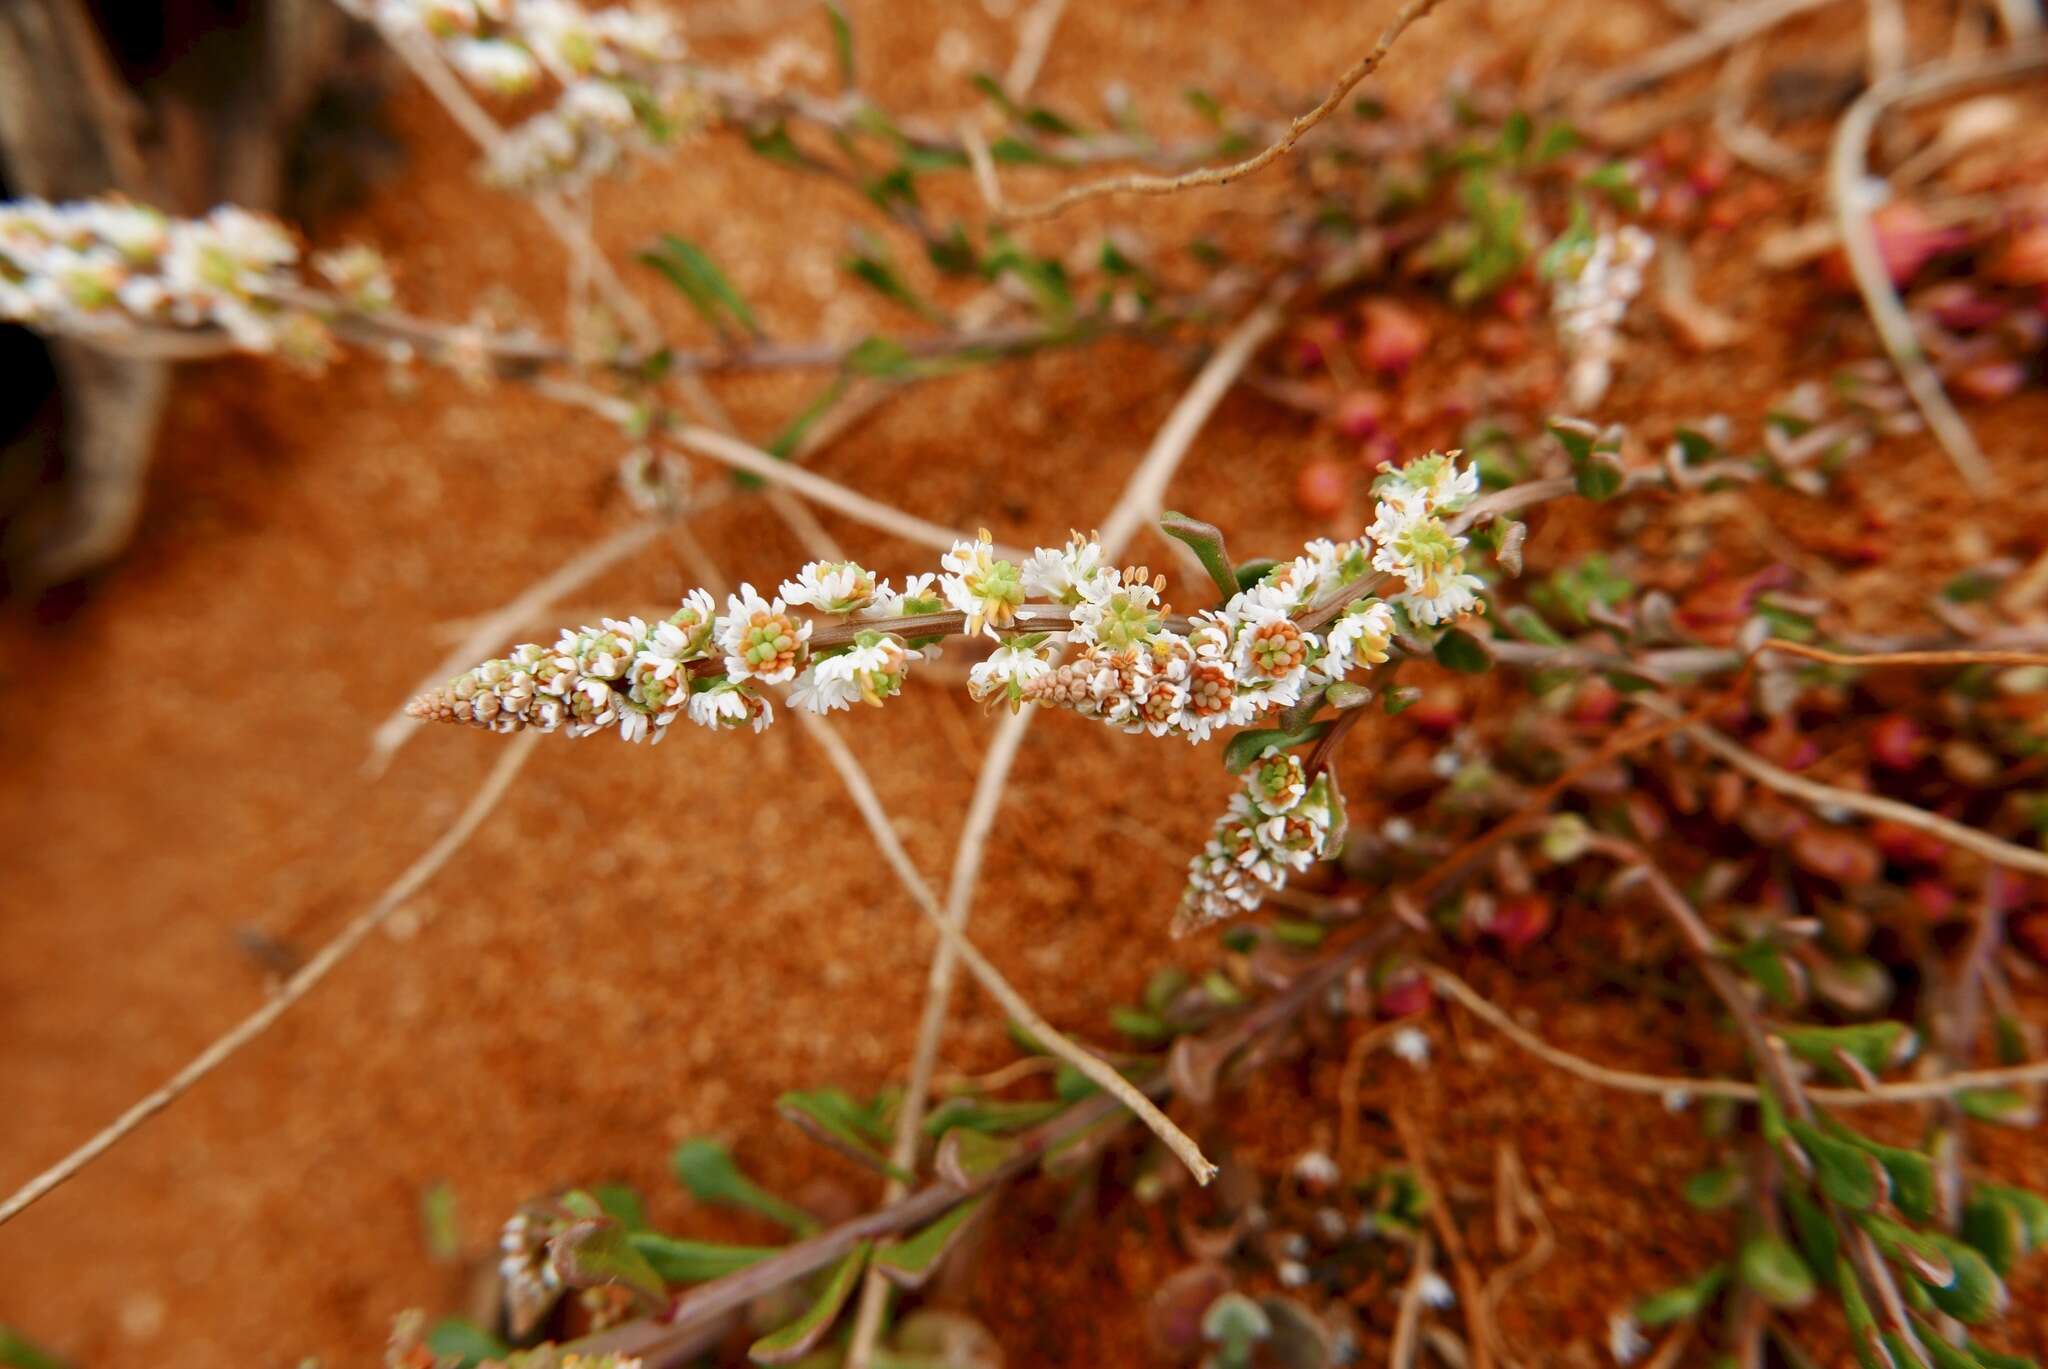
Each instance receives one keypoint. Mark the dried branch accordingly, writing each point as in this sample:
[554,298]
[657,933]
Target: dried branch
[1847,178]
[991,979]
[292,990]
[1224,175]
[1728,27]
[1664,1085]
[1828,796]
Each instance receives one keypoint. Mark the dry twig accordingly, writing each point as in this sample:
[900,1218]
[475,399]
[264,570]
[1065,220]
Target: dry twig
[1138,184]
[293,989]
[1847,190]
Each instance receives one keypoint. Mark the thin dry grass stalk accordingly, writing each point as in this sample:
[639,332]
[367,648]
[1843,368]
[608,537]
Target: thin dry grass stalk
[1141,184]
[293,989]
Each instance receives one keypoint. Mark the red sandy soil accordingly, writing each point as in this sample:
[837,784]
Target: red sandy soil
[644,945]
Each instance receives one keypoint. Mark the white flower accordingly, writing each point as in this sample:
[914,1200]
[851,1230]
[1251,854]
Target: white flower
[1317,1168]
[873,667]
[1006,671]
[730,705]
[597,102]
[1443,598]
[917,596]
[1412,1045]
[498,66]
[1068,575]
[832,587]
[821,692]
[760,640]
[979,585]
[1436,1291]
[1362,632]
[1432,484]
[1625,1339]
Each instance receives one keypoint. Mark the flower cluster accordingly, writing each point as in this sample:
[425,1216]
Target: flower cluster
[1591,296]
[1280,821]
[105,266]
[615,69]
[1130,664]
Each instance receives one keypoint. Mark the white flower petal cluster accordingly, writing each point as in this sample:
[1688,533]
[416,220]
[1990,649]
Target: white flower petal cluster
[1412,540]
[1589,299]
[831,587]
[981,585]
[621,88]
[102,266]
[1255,846]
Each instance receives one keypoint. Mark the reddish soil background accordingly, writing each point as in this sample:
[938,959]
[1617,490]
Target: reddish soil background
[644,945]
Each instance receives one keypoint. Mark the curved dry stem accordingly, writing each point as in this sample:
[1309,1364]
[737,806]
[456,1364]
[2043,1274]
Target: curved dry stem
[1847,170]
[297,987]
[1661,1085]
[1138,184]
[1093,1066]
[1819,795]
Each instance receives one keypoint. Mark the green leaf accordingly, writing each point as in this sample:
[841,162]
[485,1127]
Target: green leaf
[698,278]
[1716,1188]
[1846,1174]
[1997,1229]
[1775,971]
[785,443]
[1685,1300]
[1044,277]
[965,1157]
[706,1169]
[1139,1025]
[988,1115]
[1911,1172]
[990,87]
[1206,541]
[1459,650]
[871,266]
[774,143]
[1515,135]
[842,42]
[1247,747]
[438,1224]
[913,1260]
[1557,140]
[1250,572]
[684,1261]
[1992,1359]
[1204,104]
[599,1253]
[1774,1270]
[621,1203]
[1165,985]
[455,1338]
[1976,1293]
[1528,624]
[1303,936]
[834,1119]
[1615,182]
[1877,1046]
[795,1340]
[1864,1337]
[19,1352]
[1810,1224]
[882,357]
[2000,1107]
[2032,1207]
